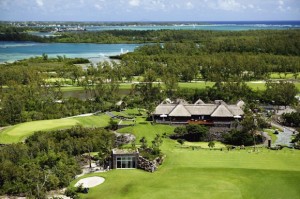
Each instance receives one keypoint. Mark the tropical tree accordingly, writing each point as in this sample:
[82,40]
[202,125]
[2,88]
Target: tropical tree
[143,142]
[211,144]
[282,93]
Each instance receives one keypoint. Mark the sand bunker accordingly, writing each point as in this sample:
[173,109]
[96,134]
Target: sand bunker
[90,182]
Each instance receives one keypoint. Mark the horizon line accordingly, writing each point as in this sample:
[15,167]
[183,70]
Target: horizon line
[146,21]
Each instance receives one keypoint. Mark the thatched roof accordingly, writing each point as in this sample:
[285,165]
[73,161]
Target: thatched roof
[221,111]
[164,109]
[204,109]
[199,101]
[167,101]
[240,103]
[180,111]
[181,101]
[220,102]
[235,110]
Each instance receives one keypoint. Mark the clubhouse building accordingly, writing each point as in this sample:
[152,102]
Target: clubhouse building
[215,114]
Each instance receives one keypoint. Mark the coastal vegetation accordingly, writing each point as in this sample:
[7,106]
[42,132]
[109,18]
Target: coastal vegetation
[40,85]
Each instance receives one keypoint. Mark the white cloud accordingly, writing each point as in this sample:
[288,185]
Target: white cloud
[251,6]
[134,3]
[40,3]
[98,7]
[155,5]
[146,9]
[189,5]
[228,5]
[280,2]
[281,6]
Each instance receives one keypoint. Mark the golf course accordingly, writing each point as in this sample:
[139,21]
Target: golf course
[204,173]
[19,132]
[190,170]
[254,85]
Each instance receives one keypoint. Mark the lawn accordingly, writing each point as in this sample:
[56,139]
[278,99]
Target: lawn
[71,88]
[19,132]
[194,85]
[203,145]
[127,122]
[254,85]
[283,76]
[146,129]
[207,174]
[203,173]
[271,134]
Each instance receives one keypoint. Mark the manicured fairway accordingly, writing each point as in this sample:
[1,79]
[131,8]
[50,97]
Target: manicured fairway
[19,132]
[255,85]
[207,174]
[283,76]
[204,173]
[194,85]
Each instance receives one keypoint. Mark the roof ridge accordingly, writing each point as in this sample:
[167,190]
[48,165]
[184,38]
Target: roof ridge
[173,109]
[221,106]
[183,105]
[180,106]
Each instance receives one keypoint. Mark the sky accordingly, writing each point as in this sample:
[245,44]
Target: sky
[149,10]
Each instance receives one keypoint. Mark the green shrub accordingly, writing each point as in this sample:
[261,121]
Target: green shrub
[72,193]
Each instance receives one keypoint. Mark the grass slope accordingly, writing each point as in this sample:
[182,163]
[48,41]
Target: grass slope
[145,129]
[271,134]
[204,145]
[19,132]
[207,174]
[203,173]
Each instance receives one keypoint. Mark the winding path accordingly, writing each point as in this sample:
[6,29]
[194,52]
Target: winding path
[285,137]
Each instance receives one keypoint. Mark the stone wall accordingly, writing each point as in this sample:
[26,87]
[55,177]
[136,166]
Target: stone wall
[148,165]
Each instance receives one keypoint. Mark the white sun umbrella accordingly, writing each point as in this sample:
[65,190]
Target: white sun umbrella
[237,117]
[163,116]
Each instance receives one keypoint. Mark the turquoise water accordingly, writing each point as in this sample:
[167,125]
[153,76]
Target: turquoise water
[213,27]
[204,25]
[12,51]
[209,25]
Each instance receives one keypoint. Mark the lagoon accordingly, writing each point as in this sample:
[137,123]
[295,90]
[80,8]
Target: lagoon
[12,51]
[213,26]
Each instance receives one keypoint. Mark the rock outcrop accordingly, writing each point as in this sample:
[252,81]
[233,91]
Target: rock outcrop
[148,165]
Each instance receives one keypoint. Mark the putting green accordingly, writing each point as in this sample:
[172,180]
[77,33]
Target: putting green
[19,132]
